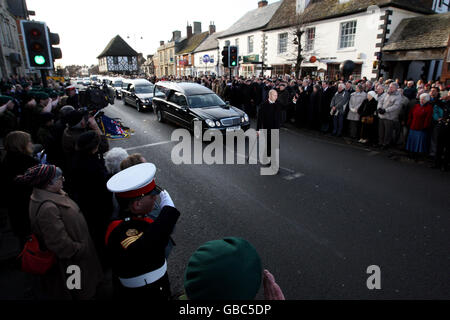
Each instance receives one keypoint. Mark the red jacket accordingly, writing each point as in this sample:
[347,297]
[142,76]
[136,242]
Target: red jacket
[419,117]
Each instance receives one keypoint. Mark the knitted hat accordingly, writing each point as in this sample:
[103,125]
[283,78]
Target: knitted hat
[227,269]
[38,176]
[74,117]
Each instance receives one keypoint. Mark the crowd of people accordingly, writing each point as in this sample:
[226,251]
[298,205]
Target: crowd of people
[383,113]
[100,209]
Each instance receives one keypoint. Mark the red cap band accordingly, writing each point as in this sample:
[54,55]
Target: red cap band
[137,193]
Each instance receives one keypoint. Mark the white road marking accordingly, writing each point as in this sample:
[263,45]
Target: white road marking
[149,145]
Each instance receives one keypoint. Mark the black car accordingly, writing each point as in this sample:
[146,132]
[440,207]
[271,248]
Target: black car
[138,93]
[184,103]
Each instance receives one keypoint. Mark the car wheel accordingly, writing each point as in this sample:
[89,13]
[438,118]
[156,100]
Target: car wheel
[159,115]
[124,101]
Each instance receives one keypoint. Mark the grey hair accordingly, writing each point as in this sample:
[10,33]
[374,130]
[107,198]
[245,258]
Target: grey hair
[426,97]
[341,85]
[58,174]
[113,159]
[395,84]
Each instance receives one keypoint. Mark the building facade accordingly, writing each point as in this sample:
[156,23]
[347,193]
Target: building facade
[248,35]
[345,31]
[118,57]
[12,52]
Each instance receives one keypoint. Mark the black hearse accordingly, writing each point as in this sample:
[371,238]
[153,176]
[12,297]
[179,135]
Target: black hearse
[183,103]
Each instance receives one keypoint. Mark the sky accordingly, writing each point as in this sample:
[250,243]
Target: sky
[86,26]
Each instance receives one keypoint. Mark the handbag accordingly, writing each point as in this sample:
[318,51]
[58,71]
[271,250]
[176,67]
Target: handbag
[367,120]
[35,260]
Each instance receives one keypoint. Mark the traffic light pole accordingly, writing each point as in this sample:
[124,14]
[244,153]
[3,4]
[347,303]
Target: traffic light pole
[44,78]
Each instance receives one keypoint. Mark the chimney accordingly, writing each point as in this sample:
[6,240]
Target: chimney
[262,3]
[161,43]
[189,31]
[197,27]
[176,35]
[212,28]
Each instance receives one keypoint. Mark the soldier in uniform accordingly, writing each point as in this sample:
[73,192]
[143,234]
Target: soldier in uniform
[136,243]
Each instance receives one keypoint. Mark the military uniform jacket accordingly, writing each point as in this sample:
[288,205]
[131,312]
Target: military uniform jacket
[136,246]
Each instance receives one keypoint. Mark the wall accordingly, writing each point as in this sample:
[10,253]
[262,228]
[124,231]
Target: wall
[202,67]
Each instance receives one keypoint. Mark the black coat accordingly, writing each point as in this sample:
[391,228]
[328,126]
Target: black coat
[313,109]
[269,116]
[368,108]
[325,103]
[89,178]
[17,196]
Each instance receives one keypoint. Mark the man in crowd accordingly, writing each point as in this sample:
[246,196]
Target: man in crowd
[338,106]
[389,109]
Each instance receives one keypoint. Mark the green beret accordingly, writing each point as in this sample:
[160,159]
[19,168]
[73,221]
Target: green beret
[5,99]
[227,269]
[41,95]
[53,94]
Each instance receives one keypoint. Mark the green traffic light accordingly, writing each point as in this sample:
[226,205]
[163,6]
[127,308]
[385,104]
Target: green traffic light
[233,63]
[40,60]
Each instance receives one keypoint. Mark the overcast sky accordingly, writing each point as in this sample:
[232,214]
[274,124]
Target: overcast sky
[86,26]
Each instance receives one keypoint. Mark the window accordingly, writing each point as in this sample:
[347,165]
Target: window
[348,32]
[178,99]
[310,36]
[130,60]
[282,42]
[115,60]
[250,44]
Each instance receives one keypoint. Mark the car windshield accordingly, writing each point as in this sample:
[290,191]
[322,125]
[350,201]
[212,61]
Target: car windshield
[117,84]
[144,89]
[205,100]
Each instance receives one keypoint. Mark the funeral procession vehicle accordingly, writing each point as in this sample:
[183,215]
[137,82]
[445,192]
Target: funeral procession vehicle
[184,103]
[138,93]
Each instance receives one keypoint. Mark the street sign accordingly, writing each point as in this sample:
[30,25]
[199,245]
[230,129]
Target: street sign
[206,58]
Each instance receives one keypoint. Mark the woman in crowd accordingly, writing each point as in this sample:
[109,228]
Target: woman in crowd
[61,228]
[367,114]
[356,100]
[19,157]
[419,122]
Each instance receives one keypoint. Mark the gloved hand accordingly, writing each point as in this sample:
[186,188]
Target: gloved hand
[381,111]
[166,200]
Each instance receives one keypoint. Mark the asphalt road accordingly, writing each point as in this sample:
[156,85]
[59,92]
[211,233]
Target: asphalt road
[334,210]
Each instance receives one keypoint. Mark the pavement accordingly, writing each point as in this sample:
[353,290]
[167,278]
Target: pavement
[335,209]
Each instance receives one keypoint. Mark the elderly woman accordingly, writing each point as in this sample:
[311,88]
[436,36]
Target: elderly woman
[356,100]
[59,225]
[419,122]
[367,114]
[19,157]
[113,159]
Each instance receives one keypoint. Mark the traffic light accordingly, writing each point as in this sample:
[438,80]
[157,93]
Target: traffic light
[37,46]
[54,41]
[233,56]
[225,57]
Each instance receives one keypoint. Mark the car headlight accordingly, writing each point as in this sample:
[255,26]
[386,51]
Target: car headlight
[246,117]
[218,123]
[210,123]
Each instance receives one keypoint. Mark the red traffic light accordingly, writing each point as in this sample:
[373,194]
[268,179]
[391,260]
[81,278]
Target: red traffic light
[35,33]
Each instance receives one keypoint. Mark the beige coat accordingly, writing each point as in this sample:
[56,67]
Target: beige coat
[63,229]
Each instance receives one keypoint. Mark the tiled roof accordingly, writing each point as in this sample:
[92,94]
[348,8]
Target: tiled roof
[211,43]
[326,9]
[424,32]
[118,47]
[253,20]
[188,45]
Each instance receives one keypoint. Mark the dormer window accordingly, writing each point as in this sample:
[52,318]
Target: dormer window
[301,5]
